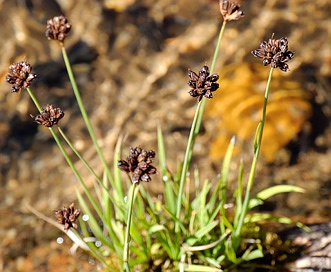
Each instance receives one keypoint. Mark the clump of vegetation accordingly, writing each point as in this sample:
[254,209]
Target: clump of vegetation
[180,232]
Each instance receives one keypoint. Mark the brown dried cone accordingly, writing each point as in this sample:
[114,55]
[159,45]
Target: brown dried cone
[230,11]
[275,53]
[202,84]
[57,28]
[68,216]
[139,164]
[49,116]
[20,76]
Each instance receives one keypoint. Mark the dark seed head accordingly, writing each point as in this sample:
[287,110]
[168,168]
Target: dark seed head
[67,216]
[230,11]
[57,28]
[202,84]
[274,52]
[49,116]
[138,163]
[20,76]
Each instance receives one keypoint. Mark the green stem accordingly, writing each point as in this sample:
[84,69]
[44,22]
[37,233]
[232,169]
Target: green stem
[84,113]
[34,99]
[128,226]
[78,176]
[82,159]
[66,156]
[195,128]
[187,159]
[220,36]
[203,102]
[257,148]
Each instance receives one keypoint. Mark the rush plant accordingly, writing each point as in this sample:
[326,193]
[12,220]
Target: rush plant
[124,226]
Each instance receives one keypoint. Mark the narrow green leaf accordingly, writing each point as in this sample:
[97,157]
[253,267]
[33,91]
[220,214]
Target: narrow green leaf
[257,217]
[230,252]
[239,195]
[200,268]
[203,216]
[166,176]
[256,137]
[278,189]
[271,191]
[224,178]
[206,229]
[226,168]
[156,228]
[255,254]
[96,229]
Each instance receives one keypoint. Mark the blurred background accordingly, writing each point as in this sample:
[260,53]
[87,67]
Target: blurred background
[130,59]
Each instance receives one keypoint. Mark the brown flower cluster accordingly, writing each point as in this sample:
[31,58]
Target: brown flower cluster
[203,84]
[20,76]
[68,216]
[275,53]
[230,11]
[139,164]
[58,28]
[49,116]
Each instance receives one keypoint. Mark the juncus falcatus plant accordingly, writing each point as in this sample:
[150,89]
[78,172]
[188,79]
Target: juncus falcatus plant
[138,163]
[276,54]
[134,231]
[230,11]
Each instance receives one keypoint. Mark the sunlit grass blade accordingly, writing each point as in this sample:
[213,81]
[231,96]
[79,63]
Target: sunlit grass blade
[224,180]
[169,195]
[258,217]
[106,202]
[200,268]
[225,169]
[278,189]
[95,227]
[239,194]
[131,198]
[206,229]
[271,191]
[252,255]
[216,211]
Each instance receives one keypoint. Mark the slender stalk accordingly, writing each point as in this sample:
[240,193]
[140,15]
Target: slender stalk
[34,99]
[78,176]
[84,113]
[203,102]
[81,157]
[128,226]
[257,149]
[187,159]
[195,128]
[66,156]
[220,36]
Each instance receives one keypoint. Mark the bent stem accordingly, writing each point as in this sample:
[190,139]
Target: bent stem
[257,148]
[84,113]
[128,226]
[195,128]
